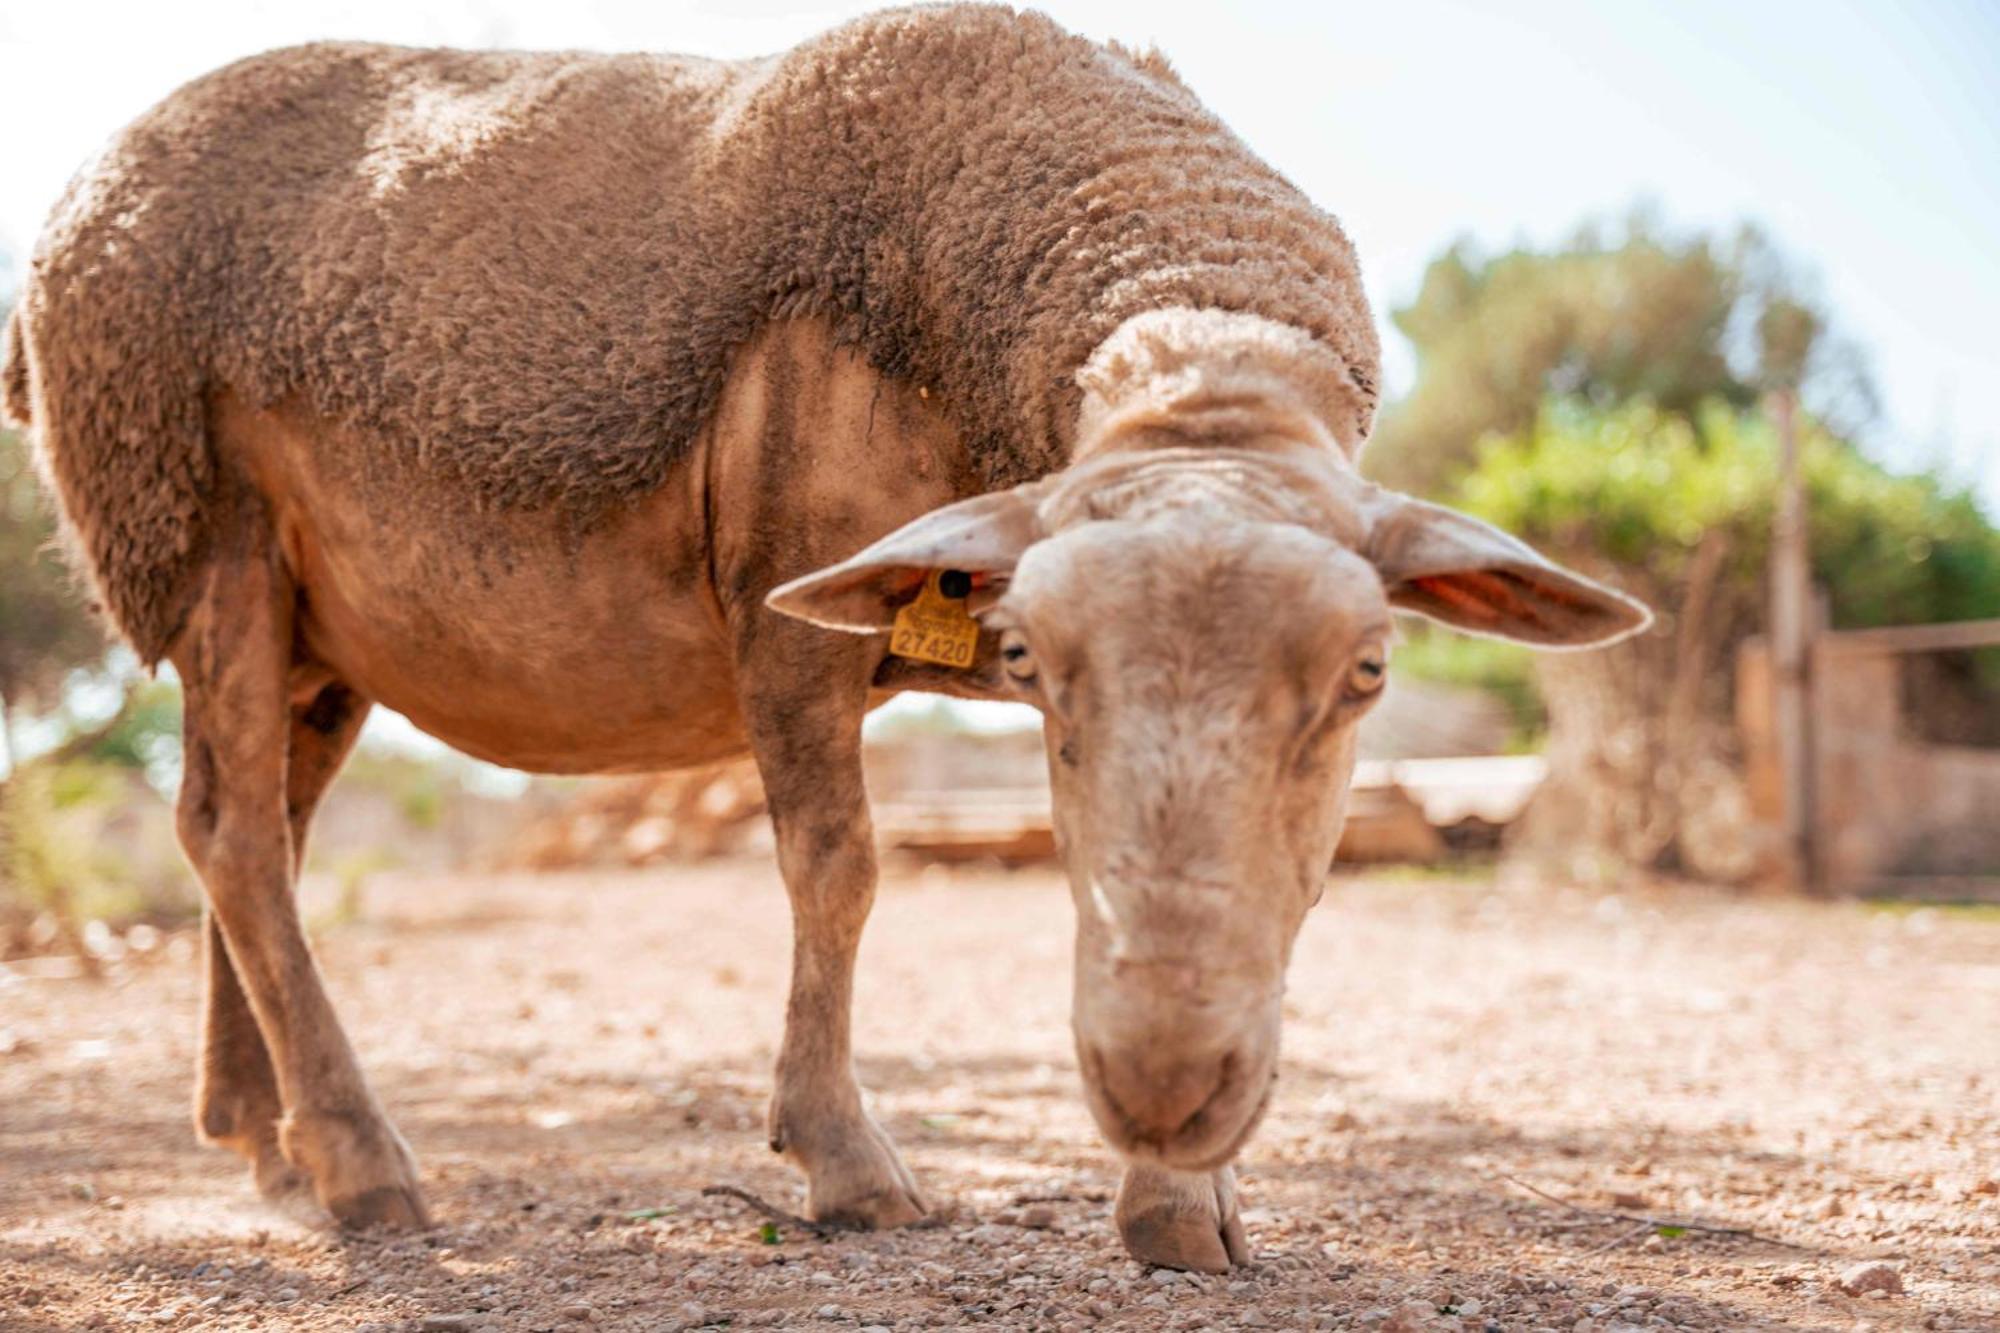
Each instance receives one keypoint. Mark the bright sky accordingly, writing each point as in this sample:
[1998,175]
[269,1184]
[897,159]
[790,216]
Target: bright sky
[1866,138]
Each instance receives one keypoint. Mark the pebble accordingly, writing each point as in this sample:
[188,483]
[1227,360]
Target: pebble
[1863,1279]
[1410,1317]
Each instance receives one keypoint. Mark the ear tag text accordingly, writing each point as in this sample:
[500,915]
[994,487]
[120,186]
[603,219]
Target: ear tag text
[936,627]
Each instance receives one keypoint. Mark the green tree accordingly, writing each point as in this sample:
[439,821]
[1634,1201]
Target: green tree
[1676,508]
[1676,320]
[46,629]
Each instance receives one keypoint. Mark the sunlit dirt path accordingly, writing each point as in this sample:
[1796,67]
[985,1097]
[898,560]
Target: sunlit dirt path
[575,1057]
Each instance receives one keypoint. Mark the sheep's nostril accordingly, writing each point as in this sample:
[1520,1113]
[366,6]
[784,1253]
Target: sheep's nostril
[1150,1105]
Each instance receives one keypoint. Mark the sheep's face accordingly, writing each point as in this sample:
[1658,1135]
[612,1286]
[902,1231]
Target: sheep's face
[1200,682]
[1203,631]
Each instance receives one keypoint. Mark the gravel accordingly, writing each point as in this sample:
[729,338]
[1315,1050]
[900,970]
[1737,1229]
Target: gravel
[574,1058]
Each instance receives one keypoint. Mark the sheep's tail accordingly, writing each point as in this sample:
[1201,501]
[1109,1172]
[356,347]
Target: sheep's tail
[14,374]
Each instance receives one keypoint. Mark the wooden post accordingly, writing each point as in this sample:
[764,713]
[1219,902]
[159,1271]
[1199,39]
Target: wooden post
[1791,650]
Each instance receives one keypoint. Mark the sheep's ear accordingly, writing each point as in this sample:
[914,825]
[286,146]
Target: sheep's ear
[983,537]
[1453,568]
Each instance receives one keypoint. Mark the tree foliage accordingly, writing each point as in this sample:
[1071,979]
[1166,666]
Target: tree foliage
[1642,488]
[46,629]
[1677,508]
[1674,320]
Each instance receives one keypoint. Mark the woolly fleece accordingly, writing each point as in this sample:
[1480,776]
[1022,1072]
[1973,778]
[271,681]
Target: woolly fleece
[528,271]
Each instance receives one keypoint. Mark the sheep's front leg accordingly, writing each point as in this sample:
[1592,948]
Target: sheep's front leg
[806,693]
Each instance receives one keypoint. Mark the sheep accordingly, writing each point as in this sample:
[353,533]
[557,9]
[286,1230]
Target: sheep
[547,399]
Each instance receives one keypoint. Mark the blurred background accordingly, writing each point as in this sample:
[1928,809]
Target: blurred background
[1696,296]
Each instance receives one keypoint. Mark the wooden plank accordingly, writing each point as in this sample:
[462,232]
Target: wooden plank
[1791,649]
[1943,636]
[1934,888]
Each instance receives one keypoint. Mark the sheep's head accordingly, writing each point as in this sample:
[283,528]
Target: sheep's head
[1202,629]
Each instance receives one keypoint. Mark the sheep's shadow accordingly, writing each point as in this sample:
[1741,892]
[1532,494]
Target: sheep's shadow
[624,1174]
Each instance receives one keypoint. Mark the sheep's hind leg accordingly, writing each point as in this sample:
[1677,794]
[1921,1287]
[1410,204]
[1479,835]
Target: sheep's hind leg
[1181,1219]
[236,1092]
[806,731]
[235,822]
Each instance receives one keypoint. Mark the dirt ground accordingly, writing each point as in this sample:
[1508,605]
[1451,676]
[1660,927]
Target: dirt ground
[575,1058]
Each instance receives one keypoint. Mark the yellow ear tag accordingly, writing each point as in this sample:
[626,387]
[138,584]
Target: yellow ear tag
[936,627]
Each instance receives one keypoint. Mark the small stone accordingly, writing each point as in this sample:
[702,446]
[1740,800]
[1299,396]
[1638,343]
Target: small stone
[1864,1278]
[447,1323]
[1410,1317]
[1041,1217]
[579,1313]
[828,1311]
[1470,1309]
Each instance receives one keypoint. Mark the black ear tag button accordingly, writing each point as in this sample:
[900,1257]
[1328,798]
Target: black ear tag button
[955,583]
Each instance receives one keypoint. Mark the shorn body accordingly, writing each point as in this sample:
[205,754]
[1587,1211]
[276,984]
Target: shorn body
[548,400]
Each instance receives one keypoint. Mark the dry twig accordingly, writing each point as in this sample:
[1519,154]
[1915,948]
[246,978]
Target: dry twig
[1622,1238]
[1645,1222]
[821,1229]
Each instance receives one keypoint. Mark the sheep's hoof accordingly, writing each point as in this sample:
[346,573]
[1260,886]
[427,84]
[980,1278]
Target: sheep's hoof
[393,1207]
[360,1168]
[857,1177]
[1182,1219]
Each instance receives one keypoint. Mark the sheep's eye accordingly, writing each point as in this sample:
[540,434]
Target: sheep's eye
[1370,669]
[1015,658]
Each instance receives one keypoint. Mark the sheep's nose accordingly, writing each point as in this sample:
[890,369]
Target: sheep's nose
[1184,1112]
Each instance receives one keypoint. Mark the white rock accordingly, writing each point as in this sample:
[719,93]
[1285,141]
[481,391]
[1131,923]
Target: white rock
[1862,1279]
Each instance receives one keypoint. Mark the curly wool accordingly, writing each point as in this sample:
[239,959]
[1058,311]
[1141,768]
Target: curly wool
[528,271]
